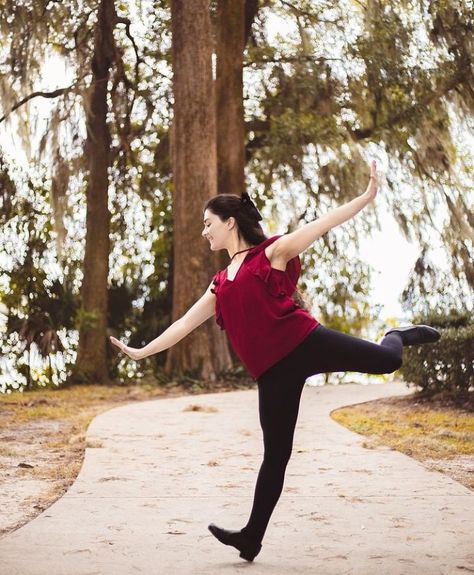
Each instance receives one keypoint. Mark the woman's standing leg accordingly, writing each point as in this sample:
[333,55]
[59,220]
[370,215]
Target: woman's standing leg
[279,393]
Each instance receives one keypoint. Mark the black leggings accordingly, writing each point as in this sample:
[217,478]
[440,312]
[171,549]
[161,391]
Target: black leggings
[279,391]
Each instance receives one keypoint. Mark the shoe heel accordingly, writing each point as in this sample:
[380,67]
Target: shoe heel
[247,555]
[251,552]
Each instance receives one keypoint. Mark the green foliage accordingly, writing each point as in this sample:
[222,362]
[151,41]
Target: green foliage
[390,77]
[430,288]
[342,296]
[444,369]
[347,80]
[39,306]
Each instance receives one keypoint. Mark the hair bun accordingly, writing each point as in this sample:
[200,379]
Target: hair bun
[248,204]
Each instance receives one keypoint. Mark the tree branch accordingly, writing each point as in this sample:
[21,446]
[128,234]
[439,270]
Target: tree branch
[261,126]
[251,9]
[312,17]
[361,134]
[127,23]
[291,59]
[53,94]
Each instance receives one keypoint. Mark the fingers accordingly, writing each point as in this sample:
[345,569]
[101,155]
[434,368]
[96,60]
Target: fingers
[373,169]
[117,343]
[131,352]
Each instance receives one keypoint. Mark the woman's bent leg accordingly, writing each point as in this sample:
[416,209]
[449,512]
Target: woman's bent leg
[279,398]
[328,350]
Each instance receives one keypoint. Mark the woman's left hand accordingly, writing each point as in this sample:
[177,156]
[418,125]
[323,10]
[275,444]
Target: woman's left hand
[371,190]
[132,352]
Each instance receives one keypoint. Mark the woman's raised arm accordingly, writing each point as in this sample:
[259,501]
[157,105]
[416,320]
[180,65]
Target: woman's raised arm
[290,245]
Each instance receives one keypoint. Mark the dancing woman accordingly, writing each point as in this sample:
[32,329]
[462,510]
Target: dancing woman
[277,339]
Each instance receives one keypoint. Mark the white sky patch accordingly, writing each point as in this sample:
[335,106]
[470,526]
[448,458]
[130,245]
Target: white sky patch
[392,258]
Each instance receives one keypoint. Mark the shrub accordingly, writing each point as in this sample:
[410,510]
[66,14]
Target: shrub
[445,368]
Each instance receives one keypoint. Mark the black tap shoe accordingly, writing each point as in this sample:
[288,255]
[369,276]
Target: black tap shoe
[416,334]
[247,547]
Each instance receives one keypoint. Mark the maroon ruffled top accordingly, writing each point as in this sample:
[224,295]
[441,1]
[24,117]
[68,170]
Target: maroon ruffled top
[258,312]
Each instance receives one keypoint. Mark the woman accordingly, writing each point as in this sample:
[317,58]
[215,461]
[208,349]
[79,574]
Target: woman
[279,341]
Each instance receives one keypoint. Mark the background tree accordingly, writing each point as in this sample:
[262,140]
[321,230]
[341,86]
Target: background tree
[389,79]
[342,83]
[91,353]
[71,32]
[230,43]
[194,161]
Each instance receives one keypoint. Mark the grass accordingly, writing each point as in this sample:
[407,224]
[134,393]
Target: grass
[429,433]
[61,404]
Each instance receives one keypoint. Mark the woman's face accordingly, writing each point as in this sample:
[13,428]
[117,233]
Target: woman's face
[215,230]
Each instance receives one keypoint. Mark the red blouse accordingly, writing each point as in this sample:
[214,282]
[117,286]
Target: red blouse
[262,321]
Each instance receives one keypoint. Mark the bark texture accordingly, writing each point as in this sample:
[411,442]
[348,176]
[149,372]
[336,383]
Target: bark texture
[91,362]
[205,351]
[230,45]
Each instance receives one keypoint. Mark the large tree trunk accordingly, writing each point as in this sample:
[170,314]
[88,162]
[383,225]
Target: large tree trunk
[229,94]
[193,142]
[91,362]
[233,30]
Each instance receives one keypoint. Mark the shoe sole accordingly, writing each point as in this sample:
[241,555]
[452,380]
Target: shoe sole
[431,337]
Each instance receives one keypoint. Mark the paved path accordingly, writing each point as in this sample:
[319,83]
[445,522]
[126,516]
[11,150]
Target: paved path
[159,473]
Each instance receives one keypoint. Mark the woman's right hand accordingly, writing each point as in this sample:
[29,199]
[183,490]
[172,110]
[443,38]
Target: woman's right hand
[132,352]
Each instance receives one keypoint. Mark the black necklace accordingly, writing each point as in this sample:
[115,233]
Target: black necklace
[246,250]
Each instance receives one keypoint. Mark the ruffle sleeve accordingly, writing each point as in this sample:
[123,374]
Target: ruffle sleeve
[215,290]
[280,283]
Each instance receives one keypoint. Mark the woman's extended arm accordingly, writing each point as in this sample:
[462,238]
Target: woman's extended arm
[202,310]
[290,245]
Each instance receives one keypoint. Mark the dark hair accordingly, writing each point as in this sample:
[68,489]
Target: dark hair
[248,228]
[230,205]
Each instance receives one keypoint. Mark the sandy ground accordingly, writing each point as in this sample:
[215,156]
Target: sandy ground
[30,473]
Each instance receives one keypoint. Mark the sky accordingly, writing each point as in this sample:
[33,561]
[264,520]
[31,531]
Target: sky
[392,258]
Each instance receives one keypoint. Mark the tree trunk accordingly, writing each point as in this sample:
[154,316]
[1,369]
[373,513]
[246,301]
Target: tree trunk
[193,143]
[229,94]
[91,362]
